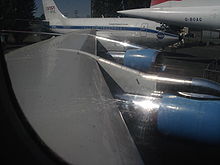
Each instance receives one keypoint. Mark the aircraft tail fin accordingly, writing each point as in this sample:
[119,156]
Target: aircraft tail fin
[52,13]
[163,3]
[183,3]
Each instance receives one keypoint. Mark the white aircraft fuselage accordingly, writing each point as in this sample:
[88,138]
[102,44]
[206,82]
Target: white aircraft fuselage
[205,17]
[138,31]
[186,13]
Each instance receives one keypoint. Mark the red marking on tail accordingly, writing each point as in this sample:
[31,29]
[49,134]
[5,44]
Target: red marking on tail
[156,2]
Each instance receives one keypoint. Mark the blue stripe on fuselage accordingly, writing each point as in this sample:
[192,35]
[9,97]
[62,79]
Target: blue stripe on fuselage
[112,28]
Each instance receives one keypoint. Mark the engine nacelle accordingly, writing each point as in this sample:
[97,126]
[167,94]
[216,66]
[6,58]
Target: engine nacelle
[175,116]
[140,59]
[191,119]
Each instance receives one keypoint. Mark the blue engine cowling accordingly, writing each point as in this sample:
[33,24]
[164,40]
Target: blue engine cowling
[140,59]
[188,118]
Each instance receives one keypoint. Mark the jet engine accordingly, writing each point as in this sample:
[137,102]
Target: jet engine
[192,112]
[190,118]
[140,59]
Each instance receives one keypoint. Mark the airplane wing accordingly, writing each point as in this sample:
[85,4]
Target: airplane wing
[65,99]
[70,97]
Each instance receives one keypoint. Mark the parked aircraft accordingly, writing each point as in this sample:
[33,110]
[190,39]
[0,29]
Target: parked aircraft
[64,109]
[139,31]
[199,14]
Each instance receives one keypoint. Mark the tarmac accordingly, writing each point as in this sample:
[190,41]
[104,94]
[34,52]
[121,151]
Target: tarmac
[204,64]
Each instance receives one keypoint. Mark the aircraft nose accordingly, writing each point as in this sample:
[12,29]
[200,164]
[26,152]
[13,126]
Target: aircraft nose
[121,12]
[128,12]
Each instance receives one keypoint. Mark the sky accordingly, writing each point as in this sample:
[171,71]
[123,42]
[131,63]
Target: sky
[67,7]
